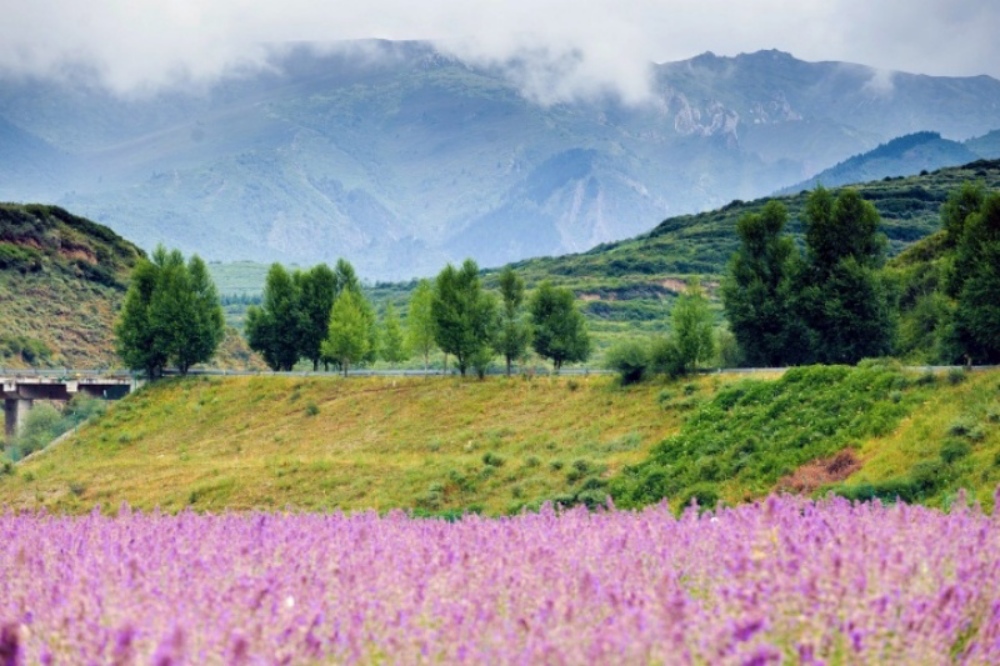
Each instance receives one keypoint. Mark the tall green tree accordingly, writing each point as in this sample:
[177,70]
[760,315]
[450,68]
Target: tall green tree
[393,343]
[420,326]
[135,341]
[464,316]
[316,289]
[171,315]
[560,330]
[513,331]
[976,279]
[961,203]
[692,324]
[348,339]
[841,293]
[273,329]
[758,290]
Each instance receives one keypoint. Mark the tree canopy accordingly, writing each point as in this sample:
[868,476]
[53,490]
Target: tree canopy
[171,315]
[464,316]
[560,330]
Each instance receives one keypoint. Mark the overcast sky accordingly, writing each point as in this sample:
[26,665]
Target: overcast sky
[138,45]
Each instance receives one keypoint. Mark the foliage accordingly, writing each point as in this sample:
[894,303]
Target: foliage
[393,342]
[349,333]
[691,329]
[755,432]
[464,316]
[513,331]
[45,423]
[560,331]
[758,290]
[630,359]
[171,315]
[841,294]
[976,279]
[271,328]
[316,290]
[420,326]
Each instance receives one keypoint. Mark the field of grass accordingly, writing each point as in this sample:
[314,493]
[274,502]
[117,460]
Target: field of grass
[445,445]
[433,444]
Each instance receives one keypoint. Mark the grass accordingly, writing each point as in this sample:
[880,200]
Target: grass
[444,445]
[888,432]
[434,445]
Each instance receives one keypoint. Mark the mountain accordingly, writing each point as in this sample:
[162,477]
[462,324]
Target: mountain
[400,158]
[903,156]
[987,146]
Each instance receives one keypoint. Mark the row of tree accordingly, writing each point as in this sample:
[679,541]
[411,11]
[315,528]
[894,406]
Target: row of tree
[323,315]
[835,303]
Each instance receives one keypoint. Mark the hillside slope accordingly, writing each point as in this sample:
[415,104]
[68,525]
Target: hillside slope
[499,445]
[62,278]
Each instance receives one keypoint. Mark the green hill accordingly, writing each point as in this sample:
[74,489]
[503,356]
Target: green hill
[61,279]
[447,445]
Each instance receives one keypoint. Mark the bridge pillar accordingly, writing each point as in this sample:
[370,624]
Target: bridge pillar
[15,411]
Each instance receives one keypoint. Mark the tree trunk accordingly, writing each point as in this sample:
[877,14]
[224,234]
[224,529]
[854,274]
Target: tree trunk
[508,366]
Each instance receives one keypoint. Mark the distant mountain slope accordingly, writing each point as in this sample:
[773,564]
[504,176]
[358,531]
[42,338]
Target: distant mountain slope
[987,146]
[402,158]
[904,156]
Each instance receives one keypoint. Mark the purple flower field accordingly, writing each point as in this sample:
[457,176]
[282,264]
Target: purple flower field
[783,581]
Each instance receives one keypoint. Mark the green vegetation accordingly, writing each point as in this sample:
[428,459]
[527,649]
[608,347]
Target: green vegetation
[171,315]
[44,423]
[464,317]
[324,442]
[513,331]
[813,428]
[559,331]
[61,279]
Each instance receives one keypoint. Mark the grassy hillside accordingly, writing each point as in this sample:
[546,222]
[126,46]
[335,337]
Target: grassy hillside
[320,443]
[61,280]
[442,444]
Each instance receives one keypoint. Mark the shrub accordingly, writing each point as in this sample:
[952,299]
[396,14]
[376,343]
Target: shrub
[491,459]
[956,376]
[312,409]
[630,359]
[954,449]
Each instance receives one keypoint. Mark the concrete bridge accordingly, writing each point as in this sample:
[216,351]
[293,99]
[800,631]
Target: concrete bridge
[21,388]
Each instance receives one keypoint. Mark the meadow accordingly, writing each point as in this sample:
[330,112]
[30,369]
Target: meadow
[784,580]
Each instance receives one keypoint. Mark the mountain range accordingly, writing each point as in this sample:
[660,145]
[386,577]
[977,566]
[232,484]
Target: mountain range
[400,157]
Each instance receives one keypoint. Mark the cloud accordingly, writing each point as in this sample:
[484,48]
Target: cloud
[553,49]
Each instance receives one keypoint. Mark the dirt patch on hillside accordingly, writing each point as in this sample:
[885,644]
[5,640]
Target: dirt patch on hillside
[819,473]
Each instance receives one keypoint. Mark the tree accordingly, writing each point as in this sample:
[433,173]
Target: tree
[464,316]
[171,315]
[135,342]
[513,332]
[273,328]
[348,339]
[420,321]
[630,359]
[393,348]
[316,288]
[976,278]
[560,331]
[758,290]
[841,294]
[691,325]
[961,203]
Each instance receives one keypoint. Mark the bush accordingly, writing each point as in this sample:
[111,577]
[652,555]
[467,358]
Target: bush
[954,449]
[630,359]
[492,460]
[956,376]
